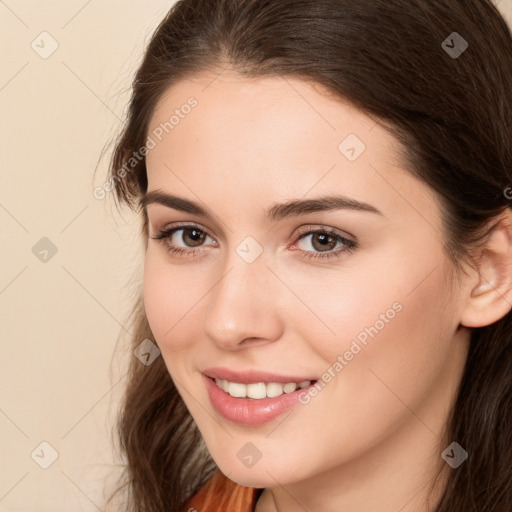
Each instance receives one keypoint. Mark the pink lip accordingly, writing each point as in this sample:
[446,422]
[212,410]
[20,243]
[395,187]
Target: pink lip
[247,411]
[252,376]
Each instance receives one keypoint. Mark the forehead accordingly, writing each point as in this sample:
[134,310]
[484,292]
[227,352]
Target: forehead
[275,135]
[264,118]
[262,105]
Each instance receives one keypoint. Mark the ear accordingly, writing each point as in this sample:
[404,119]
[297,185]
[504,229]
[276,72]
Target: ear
[490,293]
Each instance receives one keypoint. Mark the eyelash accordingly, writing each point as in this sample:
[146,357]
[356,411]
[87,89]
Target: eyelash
[350,245]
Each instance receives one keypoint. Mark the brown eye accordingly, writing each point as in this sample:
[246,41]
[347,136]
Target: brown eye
[189,243]
[324,244]
[323,241]
[192,236]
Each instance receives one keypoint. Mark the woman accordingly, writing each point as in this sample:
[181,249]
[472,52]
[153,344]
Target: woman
[325,197]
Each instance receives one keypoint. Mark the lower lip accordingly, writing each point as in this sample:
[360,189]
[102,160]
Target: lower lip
[248,411]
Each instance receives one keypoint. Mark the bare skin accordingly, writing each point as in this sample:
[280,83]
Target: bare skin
[372,437]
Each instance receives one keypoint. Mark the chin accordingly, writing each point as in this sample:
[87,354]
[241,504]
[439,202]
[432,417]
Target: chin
[251,480]
[259,476]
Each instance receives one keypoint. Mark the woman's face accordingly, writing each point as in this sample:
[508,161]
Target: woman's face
[355,293]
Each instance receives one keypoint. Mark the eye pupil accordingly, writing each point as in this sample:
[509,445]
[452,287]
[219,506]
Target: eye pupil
[196,235]
[324,240]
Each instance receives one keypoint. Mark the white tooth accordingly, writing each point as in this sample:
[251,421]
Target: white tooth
[290,387]
[237,390]
[274,389]
[258,390]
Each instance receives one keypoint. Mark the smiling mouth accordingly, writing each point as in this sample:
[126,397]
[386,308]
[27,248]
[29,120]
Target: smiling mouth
[259,390]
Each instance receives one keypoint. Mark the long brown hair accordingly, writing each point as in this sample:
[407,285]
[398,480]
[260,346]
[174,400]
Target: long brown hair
[453,115]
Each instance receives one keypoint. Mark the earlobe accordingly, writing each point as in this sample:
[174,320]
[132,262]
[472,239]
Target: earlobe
[490,299]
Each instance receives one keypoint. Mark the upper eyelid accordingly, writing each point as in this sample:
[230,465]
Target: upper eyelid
[335,231]
[184,225]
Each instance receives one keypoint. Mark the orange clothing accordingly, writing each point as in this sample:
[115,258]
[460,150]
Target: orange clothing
[220,494]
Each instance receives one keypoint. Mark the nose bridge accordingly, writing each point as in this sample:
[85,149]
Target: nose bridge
[242,303]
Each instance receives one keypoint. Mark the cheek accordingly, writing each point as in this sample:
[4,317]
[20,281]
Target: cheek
[394,371]
[166,299]
[396,349]
[393,323]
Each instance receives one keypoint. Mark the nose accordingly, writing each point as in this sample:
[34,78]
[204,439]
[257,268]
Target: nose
[243,306]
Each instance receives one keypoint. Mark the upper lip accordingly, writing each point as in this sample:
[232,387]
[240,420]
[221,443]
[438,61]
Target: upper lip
[252,376]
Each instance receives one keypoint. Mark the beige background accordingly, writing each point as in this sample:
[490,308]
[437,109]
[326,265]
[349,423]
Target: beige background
[60,318]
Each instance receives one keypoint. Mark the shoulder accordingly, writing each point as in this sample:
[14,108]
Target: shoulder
[221,493]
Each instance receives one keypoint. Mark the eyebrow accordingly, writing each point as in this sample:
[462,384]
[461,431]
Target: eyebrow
[275,213]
